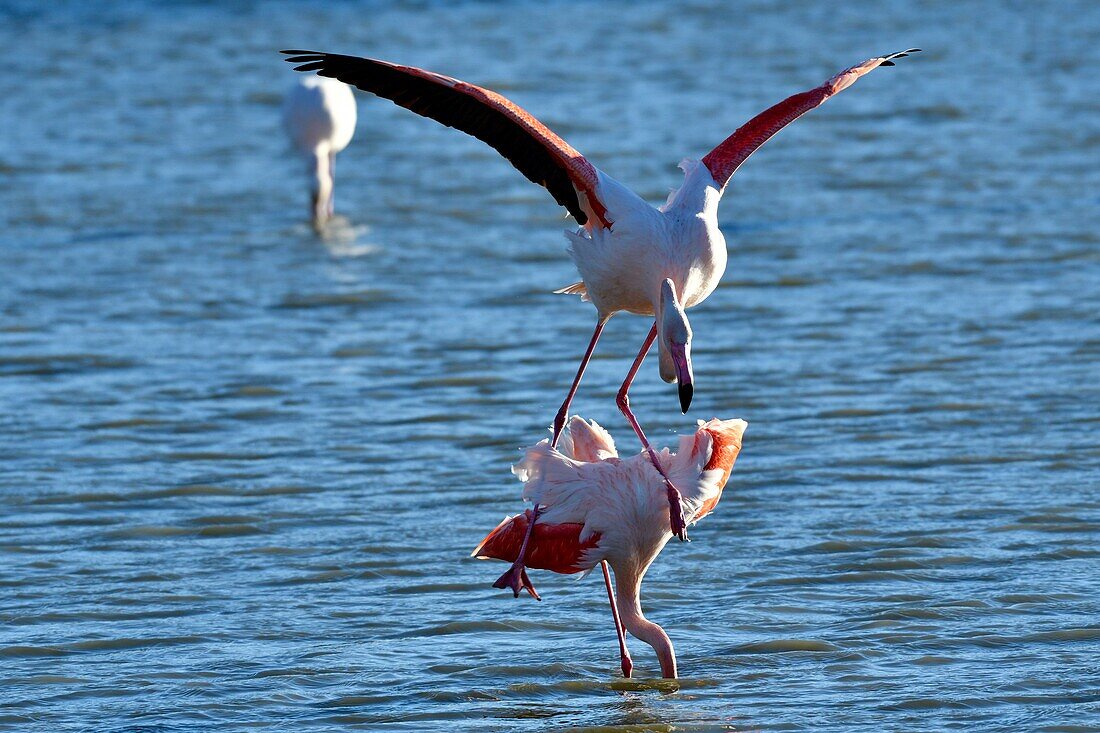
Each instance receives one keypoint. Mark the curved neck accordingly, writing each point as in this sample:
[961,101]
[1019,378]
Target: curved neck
[673,328]
[628,584]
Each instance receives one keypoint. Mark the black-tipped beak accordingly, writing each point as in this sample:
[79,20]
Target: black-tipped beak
[686,391]
[682,360]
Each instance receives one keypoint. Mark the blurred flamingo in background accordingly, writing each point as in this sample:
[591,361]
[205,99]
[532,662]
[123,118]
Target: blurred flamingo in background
[631,256]
[319,115]
[599,509]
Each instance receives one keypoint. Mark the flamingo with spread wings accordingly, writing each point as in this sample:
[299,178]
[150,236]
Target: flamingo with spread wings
[654,262]
[603,510]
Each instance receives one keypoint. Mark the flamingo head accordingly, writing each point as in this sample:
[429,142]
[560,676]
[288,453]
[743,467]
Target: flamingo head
[674,343]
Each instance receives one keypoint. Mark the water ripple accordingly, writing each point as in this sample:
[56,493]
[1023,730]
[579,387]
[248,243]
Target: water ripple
[244,465]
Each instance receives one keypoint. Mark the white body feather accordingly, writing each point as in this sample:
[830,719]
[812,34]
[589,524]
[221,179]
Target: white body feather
[622,268]
[319,115]
[624,500]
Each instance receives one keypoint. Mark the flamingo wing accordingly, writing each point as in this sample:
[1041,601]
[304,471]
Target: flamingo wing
[554,547]
[535,150]
[725,436]
[724,160]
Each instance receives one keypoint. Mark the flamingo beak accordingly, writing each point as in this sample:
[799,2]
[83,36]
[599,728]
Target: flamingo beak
[685,382]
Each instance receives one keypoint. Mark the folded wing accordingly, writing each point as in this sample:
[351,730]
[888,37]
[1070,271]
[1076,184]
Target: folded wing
[555,547]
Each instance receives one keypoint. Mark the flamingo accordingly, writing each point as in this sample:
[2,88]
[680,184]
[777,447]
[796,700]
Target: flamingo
[603,510]
[654,262]
[319,115]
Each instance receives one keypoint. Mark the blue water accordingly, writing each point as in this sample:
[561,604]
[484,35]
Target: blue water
[243,466]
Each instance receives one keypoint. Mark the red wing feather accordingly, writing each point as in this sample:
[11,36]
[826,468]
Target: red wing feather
[555,547]
[724,160]
[725,447]
[533,148]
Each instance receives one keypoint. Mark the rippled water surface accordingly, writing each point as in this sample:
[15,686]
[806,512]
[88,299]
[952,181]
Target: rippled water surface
[243,466]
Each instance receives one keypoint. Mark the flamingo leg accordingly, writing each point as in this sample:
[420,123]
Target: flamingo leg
[516,576]
[563,411]
[332,191]
[622,399]
[624,653]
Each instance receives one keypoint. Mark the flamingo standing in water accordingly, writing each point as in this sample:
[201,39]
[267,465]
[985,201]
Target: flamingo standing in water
[599,509]
[319,115]
[631,256]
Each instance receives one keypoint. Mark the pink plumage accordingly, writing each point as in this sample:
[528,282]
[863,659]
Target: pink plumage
[597,507]
[723,161]
[632,257]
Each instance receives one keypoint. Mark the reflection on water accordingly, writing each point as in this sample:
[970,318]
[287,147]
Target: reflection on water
[244,465]
[342,238]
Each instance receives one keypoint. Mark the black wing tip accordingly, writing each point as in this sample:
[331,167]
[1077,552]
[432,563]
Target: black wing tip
[310,60]
[888,58]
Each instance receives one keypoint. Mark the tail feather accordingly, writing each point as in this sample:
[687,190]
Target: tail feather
[587,441]
[577,288]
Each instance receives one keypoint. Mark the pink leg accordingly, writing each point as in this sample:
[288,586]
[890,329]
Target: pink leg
[624,654]
[563,411]
[675,509]
[516,576]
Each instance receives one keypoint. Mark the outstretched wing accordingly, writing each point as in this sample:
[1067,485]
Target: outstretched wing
[525,142]
[727,157]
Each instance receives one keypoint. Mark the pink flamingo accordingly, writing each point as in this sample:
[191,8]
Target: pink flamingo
[599,509]
[631,256]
